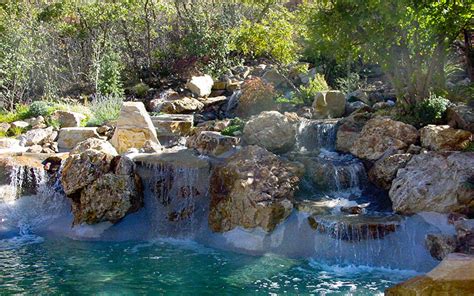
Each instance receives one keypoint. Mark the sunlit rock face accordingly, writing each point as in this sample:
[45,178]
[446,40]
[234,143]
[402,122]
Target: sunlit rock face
[253,188]
[329,104]
[439,182]
[212,143]
[385,169]
[69,137]
[272,131]
[134,128]
[382,135]
[444,138]
[453,276]
[349,130]
[102,186]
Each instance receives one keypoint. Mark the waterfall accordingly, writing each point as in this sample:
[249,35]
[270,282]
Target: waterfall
[313,135]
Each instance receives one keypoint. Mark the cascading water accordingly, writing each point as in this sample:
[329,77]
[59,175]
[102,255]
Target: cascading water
[313,135]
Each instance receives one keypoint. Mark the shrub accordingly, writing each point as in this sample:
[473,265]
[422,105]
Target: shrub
[315,85]
[40,108]
[257,96]
[105,109]
[273,37]
[15,131]
[140,89]
[20,112]
[236,126]
[350,83]
[431,110]
[108,71]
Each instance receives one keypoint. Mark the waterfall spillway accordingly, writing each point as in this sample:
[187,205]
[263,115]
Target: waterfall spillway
[313,135]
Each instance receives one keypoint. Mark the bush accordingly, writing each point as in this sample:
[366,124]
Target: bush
[273,37]
[235,127]
[108,71]
[257,96]
[21,112]
[431,111]
[41,108]
[350,83]
[315,85]
[105,109]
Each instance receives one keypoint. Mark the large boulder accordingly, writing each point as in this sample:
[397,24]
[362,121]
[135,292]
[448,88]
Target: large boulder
[95,144]
[440,245]
[253,188]
[201,86]
[381,136]
[173,124]
[109,198]
[453,276]
[38,136]
[69,137]
[134,128]
[80,170]
[272,131]
[329,104]
[438,182]
[68,118]
[444,138]
[462,117]
[212,143]
[349,130]
[385,169]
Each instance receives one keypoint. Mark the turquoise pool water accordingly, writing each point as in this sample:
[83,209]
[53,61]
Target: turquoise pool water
[31,264]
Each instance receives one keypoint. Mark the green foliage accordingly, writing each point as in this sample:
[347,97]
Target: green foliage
[105,109]
[350,83]
[41,108]
[315,85]
[53,122]
[140,89]
[108,74]
[408,39]
[16,131]
[469,147]
[235,127]
[20,112]
[3,134]
[431,110]
[273,37]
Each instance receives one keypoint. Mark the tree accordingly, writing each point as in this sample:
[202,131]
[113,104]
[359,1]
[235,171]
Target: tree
[409,39]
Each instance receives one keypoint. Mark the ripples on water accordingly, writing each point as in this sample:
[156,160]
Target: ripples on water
[63,266]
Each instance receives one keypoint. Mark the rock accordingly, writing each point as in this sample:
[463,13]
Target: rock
[444,138]
[270,130]
[214,101]
[385,169]
[278,81]
[461,116]
[35,149]
[81,170]
[440,245]
[151,147]
[134,127]
[173,125]
[253,188]
[358,95]
[382,135]
[465,236]
[182,105]
[38,136]
[212,143]
[69,137]
[167,95]
[453,276]
[68,118]
[349,130]
[329,104]
[20,124]
[201,86]
[382,105]
[9,143]
[4,127]
[354,106]
[354,228]
[437,182]
[109,198]
[37,123]
[95,144]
